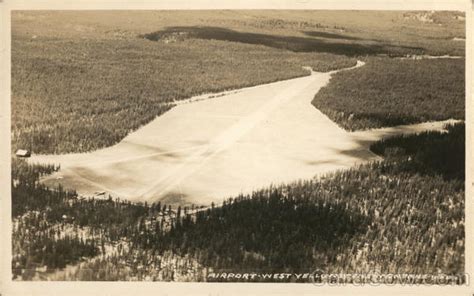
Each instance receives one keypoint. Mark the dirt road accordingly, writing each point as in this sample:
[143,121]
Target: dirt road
[208,150]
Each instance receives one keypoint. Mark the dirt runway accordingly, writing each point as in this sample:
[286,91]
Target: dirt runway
[208,150]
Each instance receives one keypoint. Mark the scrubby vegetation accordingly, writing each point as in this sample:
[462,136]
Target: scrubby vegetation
[390,216]
[389,92]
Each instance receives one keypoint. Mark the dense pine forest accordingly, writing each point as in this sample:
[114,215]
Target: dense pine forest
[401,215]
[101,78]
[390,92]
[99,92]
[84,80]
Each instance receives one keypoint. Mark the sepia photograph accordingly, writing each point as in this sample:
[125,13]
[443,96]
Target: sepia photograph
[238,146]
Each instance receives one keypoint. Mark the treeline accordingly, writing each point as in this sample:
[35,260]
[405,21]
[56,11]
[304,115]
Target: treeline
[74,96]
[280,229]
[400,215]
[54,227]
[389,92]
[429,153]
[397,222]
[369,219]
[404,214]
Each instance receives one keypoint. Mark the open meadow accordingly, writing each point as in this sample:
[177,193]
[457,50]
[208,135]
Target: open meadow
[170,145]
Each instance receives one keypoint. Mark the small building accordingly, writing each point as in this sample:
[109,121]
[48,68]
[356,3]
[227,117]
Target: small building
[22,153]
